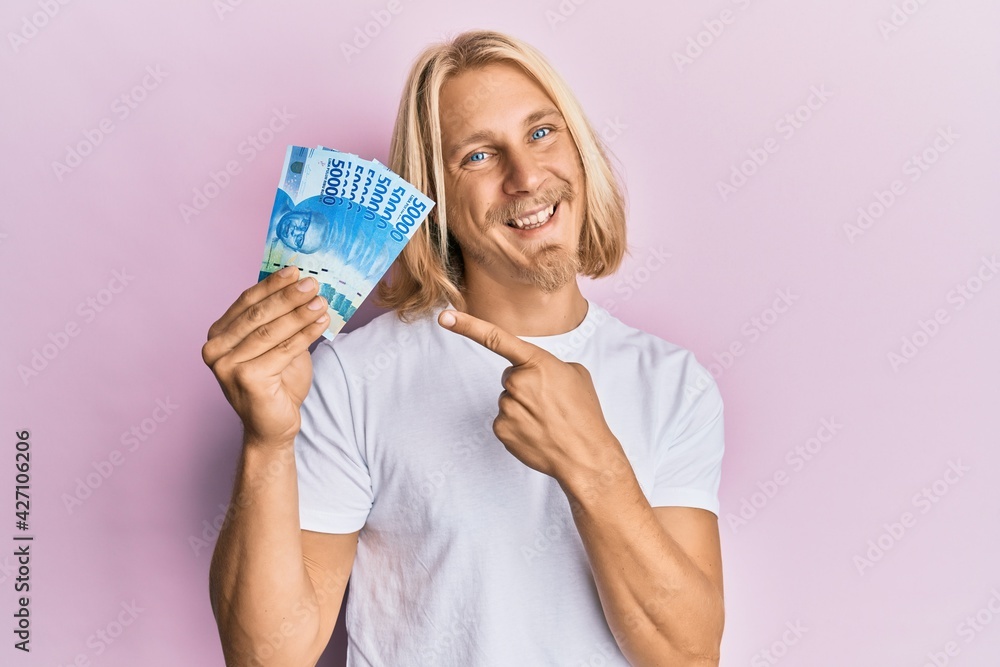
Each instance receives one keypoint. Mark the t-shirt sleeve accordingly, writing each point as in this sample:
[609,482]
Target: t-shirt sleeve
[689,464]
[335,490]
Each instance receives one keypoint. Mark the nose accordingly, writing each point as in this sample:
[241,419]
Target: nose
[524,174]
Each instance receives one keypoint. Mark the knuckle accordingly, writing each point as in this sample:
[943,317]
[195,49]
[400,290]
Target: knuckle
[255,312]
[224,371]
[286,346]
[493,340]
[241,375]
[207,352]
[263,332]
[246,296]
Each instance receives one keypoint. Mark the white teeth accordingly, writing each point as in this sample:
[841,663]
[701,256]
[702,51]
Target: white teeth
[535,219]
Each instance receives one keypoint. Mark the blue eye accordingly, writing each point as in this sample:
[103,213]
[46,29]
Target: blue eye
[541,129]
[474,155]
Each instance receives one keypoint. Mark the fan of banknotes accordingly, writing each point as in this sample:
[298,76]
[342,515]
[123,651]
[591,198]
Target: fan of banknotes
[342,220]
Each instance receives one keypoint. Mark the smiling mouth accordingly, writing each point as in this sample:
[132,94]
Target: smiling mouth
[534,220]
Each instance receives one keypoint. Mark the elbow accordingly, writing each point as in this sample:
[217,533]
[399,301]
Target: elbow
[711,654]
[706,652]
[708,655]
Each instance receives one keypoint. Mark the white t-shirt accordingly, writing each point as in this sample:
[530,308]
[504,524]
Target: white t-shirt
[466,556]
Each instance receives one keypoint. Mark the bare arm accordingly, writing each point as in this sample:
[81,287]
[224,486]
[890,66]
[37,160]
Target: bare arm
[658,571]
[275,589]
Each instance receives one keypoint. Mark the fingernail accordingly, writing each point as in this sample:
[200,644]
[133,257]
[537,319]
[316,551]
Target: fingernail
[315,304]
[306,284]
[287,271]
[447,319]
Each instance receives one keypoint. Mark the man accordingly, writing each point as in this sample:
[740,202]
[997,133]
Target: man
[507,473]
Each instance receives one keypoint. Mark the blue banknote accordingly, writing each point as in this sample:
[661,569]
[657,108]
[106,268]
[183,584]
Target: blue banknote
[342,220]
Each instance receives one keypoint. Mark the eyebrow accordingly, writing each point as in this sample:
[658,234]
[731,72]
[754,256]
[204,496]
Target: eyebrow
[483,135]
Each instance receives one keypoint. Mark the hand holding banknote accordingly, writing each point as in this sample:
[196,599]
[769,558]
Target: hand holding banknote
[338,222]
[342,220]
[259,352]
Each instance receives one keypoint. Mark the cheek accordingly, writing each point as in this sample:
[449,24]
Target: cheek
[568,165]
[461,219]
[475,204]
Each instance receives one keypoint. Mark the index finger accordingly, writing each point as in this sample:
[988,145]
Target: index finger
[255,294]
[491,337]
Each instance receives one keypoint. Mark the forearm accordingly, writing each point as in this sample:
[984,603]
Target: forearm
[258,580]
[662,610]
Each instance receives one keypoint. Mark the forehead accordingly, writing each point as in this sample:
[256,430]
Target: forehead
[487,98]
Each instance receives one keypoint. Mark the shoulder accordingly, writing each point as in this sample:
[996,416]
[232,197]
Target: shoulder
[652,348]
[386,335]
[660,362]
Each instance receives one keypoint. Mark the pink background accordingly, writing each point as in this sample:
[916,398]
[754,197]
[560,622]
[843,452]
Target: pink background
[678,128]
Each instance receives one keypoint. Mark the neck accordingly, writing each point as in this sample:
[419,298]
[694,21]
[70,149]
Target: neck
[524,310]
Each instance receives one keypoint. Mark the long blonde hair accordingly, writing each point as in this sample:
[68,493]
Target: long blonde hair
[429,271]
